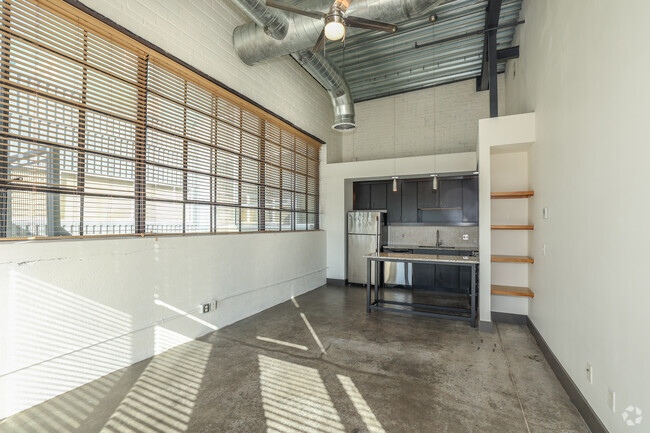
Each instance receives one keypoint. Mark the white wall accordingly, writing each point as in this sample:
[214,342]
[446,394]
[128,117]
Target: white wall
[199,32]
[336,192]
[75,310]
[581,70]
[442,119]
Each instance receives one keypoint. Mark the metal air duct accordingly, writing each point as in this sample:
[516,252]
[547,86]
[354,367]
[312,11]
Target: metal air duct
[274,34]
[253,45]
[273,22]
[329,76]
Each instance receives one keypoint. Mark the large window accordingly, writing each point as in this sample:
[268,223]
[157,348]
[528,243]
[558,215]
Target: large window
[100,135]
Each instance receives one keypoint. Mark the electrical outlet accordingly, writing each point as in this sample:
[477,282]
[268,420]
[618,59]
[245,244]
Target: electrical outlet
[544,249]
[206,308]
[590,373]
[465,237]
[213,305]
[545,213]
[611,401]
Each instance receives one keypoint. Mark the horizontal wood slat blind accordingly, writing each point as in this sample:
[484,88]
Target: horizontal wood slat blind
[100,135]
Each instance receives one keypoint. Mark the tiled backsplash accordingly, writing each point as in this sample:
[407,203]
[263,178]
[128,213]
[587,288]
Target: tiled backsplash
[450,236]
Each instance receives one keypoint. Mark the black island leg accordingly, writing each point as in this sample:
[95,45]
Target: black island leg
[368,280]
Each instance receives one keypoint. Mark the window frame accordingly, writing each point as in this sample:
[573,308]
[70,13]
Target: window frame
[93,25]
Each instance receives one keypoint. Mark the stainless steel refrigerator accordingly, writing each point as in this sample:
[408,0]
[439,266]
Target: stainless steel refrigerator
[367,233]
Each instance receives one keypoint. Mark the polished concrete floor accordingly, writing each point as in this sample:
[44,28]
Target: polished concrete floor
[321,364]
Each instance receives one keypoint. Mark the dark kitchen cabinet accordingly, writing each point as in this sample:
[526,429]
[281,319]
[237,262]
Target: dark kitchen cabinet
[447,277]
[415,201]
[378,196]
[450,193]
[409,202]
[427,197]
[470,199]
[394,203]
[424,274]
[361,196]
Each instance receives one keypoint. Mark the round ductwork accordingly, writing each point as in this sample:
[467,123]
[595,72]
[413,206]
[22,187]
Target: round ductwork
[344,126]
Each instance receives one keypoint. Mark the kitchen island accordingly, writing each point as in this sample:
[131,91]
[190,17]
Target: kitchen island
[446,312]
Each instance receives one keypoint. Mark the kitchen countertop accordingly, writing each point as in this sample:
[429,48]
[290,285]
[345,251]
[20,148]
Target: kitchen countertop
[426,247]
[433,258]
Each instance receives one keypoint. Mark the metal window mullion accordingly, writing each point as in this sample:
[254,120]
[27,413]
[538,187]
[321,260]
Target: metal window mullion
[294,213]
[81,141]
[4,127]
[185,155]
[239,183]
[141,149]
[213,168]
[261,224]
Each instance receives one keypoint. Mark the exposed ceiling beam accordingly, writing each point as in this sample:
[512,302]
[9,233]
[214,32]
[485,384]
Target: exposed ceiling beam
[508,53]
[491,21]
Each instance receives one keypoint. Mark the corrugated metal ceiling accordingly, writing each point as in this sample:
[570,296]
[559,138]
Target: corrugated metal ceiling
[377,64]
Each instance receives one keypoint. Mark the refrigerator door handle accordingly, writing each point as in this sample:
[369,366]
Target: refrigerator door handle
[378,235]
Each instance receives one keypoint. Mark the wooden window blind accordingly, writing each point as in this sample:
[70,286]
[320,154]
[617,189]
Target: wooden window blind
[101,136]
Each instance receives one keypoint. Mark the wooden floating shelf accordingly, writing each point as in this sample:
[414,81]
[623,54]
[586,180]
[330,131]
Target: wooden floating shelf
[513,227]
[513,194]
[512,291]
[512,259]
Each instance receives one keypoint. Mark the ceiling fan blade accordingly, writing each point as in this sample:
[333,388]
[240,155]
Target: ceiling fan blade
[320,43]
[364,23]
[285,7]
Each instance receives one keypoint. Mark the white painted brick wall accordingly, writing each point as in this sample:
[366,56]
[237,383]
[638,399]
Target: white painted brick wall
[199,32]
[441,119]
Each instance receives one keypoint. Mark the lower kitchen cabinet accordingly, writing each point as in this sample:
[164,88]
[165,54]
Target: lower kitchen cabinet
[424,275]
[446,278]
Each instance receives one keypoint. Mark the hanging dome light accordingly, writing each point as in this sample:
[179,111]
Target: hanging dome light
[334,26]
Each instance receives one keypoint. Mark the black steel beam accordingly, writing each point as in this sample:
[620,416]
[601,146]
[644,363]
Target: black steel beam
[508,53]
[492,66]
[491,21]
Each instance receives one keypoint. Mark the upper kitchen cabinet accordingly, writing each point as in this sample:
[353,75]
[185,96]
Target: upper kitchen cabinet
[378,196]
[370,195]
[455,202]
[450,193]
[409,202]
[470,200]
[427,196]
[394,203]
[361,196]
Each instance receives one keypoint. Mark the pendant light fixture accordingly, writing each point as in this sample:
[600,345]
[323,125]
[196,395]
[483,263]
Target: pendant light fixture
[394,183]
[435,182]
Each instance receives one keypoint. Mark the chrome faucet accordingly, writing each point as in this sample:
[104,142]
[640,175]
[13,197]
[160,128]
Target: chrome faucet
[438,243]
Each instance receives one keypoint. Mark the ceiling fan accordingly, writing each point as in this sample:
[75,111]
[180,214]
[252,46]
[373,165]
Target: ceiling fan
[335,21]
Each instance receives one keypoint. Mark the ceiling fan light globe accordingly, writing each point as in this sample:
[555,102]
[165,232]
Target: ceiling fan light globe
[334,30]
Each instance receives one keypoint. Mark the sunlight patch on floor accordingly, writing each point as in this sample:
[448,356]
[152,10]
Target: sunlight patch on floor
[295,399]
[360,405]
[163,398]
